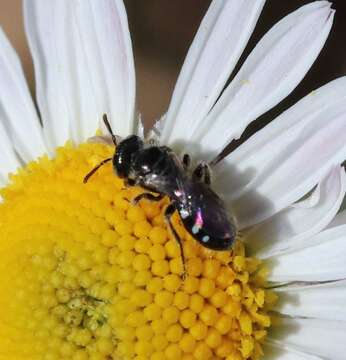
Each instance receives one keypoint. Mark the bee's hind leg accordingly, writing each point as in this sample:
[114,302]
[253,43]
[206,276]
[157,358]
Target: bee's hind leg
[168,214]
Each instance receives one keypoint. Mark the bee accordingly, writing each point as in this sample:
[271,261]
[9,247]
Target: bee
[160,172]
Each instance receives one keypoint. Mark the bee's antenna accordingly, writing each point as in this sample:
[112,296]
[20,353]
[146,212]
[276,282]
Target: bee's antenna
[108,126]
[93,171]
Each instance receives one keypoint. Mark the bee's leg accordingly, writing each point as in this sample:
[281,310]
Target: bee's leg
[186,161]
[168,214]
[147,196]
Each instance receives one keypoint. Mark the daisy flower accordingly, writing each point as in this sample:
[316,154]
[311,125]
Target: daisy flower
[84,274]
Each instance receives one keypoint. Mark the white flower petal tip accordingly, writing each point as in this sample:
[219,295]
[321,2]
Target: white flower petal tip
[219,42]
[273,69]
[83,66]
[18,114]
[310,339]
[291,228]
[322,301]
[282,162]
[323,259]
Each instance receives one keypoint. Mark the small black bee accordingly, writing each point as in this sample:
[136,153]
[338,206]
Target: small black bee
[159,170]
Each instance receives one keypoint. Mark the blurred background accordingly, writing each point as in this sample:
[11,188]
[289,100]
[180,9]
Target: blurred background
[162,31]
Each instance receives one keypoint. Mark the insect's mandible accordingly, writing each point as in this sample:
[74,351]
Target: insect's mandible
[159,171]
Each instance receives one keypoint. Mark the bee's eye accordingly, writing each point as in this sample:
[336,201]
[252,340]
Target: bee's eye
[124,153]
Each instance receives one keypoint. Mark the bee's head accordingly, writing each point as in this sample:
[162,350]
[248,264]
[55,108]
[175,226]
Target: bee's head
[125,151]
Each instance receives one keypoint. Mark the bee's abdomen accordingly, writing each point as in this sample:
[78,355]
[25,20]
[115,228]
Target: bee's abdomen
[207,220]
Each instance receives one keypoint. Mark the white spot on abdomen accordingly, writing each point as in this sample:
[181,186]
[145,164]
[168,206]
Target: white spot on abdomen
[205,238]
[195,229]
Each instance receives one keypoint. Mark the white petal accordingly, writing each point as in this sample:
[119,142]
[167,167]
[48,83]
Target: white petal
[8,159]
[315,337]
[323,301]
[283,161]
[18,113]
[278,351]
[287,230]
[322,259]
[219,42]
[274,68]
[83,66]
[106,43]
[47,41]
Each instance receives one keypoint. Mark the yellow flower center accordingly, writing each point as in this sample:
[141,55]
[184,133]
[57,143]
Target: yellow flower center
[86,275]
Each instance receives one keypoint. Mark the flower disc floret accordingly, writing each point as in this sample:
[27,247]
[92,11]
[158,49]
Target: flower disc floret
[87,275]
